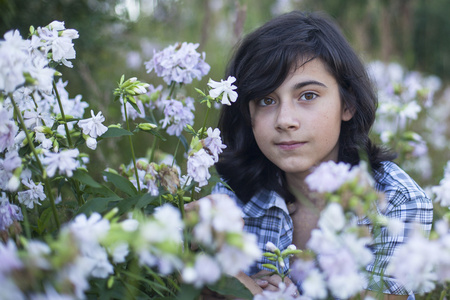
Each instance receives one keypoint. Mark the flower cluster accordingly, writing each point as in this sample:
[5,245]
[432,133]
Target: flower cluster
[228,250]
[99,244]
[340,255]
[179,63]
[442,191]
[203,155]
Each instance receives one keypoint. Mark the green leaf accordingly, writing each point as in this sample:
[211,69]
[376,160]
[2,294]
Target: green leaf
[184,142]
[231,286]
[43,220]
[145,200]
[84,177]
[134,105]
[99,205]
[121,183]
[188,292]
[127,204]
[116,132]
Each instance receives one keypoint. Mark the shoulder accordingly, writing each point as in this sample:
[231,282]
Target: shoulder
[262,203]
[401,191]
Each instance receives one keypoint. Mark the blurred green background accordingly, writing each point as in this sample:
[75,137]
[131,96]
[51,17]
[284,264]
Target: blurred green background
[118,36]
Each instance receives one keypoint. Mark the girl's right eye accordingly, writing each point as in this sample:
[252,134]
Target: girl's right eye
[266,101]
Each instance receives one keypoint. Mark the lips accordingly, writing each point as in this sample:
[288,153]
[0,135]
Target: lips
[290,145]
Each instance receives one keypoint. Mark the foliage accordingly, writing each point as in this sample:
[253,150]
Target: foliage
[130,235]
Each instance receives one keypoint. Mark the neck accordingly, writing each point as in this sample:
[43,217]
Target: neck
[302,194]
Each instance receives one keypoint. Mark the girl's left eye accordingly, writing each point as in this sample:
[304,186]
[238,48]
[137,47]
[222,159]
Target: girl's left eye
[308,96]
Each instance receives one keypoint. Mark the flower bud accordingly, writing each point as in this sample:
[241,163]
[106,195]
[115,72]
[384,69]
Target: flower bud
[147,126]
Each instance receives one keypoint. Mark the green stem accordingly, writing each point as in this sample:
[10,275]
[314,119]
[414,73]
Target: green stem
[38,161]
[204,123]
[153,149]
[69,140]
[172,89]
[131,147]
[175,153]
[183,217]
[443,294]
[26,223]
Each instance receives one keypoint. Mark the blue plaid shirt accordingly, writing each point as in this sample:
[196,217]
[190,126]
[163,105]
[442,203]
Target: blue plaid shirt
[267,216]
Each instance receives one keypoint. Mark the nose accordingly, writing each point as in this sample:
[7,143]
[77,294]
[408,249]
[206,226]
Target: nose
[287,117]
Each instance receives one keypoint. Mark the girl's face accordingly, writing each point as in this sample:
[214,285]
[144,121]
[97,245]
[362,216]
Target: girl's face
[297,126]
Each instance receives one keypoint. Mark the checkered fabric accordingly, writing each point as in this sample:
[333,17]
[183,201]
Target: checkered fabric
[266,215]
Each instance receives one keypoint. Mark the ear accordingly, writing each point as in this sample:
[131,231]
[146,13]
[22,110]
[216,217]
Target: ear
[347,113]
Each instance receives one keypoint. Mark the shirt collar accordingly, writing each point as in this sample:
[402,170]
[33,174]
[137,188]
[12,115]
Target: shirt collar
[263,201]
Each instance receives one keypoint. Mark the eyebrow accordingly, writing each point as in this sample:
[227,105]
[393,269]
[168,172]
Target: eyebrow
[309,82]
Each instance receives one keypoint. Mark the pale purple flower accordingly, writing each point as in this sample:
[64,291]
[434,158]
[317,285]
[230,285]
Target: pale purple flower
[38,117]
[329,176]
[225,88]
[9,258]
[51,294]
[198,167]
[8,130]
[64,161]
[214,143]
[11,161]
[33,195]
[93,126]
[178,63]
[177,116]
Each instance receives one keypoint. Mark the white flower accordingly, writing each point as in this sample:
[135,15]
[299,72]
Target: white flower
[271,247]
[198,165]
[129,225]
[214,143]
[329,176]
[160,230]
[91,143]
[93,126]
[120,252]
[37,251]
[45,142]
[226,87]
[65,161]
[332,218]
[421,255]
[89,230]
[283,293]
[314,285]
[207,270]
